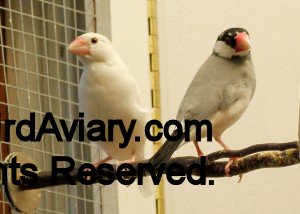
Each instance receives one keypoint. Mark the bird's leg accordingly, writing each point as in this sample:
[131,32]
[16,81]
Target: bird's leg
[97,164]
[102,161]
[131,160]
[218,139]
[199,152]
[231,160]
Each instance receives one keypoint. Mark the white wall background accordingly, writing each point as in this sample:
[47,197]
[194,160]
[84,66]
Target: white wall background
[187,33]
[129,35]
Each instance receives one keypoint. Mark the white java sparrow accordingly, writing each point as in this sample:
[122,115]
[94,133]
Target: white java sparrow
[107,91]
[220,92]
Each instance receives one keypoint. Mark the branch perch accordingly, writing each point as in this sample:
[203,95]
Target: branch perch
[251,150]
[259,156]
[270,159]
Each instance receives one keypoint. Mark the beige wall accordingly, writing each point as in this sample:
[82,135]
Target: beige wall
[129,35]
[187,32]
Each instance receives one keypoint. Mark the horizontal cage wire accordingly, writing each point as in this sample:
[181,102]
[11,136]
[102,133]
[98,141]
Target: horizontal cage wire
[38,75]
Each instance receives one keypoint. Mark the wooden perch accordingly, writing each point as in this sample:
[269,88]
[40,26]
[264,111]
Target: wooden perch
[270,159]
[251,150]
[251,158]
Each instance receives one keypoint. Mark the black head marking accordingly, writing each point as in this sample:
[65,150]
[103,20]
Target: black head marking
[229,35]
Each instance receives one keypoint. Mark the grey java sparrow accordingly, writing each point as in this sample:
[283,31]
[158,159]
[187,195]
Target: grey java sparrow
[220,92]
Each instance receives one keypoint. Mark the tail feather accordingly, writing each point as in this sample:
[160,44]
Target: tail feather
[147,188]
[166,151]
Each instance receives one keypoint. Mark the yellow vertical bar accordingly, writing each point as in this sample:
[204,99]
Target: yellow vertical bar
[155,91]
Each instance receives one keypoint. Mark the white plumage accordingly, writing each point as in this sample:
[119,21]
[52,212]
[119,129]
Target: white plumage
[107,91]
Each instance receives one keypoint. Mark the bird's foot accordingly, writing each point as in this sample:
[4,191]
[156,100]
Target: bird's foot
[227,168]
[240,178]
[229,163]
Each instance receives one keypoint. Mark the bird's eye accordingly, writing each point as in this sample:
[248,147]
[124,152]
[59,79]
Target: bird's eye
[227,41]
[94,40]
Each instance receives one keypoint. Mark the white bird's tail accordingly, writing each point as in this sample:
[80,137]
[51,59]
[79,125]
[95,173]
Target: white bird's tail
[147,188]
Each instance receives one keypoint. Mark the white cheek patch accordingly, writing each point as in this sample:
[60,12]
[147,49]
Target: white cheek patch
[223,50]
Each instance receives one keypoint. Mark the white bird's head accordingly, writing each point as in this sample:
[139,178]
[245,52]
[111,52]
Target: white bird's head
[93,47]
[233,43]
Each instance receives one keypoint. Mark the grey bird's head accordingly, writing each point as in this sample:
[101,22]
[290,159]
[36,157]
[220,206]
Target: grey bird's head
[233,43]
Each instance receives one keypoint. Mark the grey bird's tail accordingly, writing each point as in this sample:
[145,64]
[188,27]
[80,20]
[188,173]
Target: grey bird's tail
[166,151]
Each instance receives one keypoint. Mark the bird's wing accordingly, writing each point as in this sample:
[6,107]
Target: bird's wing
[203,97]
[202,101]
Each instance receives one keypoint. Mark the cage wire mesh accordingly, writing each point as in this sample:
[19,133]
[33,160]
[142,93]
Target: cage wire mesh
[38,75]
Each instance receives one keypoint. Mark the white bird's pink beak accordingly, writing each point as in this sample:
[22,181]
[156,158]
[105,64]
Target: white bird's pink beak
[242,42]
[79,47]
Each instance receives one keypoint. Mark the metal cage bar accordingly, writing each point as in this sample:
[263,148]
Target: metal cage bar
[38,75]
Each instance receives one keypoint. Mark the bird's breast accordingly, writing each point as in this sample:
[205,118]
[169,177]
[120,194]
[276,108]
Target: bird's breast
[106,100]
[105,96]
[237,99]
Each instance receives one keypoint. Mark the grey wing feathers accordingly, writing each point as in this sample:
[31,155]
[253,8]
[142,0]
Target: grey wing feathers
[202,100]
[206,95]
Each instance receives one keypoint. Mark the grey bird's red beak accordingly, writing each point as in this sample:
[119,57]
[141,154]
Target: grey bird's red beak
[242,42]
[79,47]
